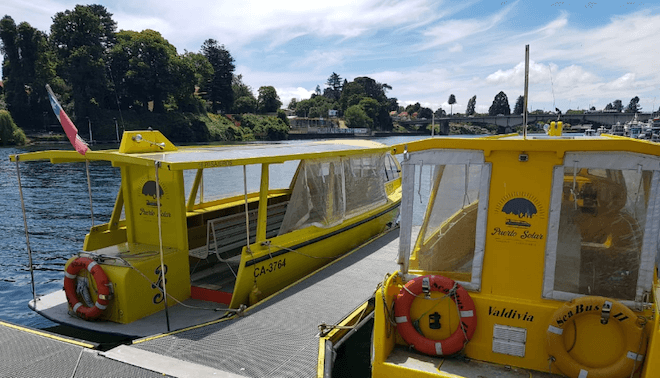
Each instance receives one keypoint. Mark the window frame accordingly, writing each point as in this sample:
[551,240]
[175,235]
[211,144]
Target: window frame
[606,160]
[444,157]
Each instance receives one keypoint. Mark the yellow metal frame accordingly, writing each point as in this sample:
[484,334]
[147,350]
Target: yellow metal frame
[136,158]
[512,273]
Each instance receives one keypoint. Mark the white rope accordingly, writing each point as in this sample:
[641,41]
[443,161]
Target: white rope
[160,244]
[89,190]
[152,283]
[27,234]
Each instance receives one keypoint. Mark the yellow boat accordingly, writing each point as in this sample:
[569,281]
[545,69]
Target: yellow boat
[175,249]
[537,256]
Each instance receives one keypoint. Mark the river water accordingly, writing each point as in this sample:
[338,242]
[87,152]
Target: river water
[58,217]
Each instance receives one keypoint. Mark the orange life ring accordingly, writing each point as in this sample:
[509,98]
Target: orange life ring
[102,285]
[610,311]
[460,296]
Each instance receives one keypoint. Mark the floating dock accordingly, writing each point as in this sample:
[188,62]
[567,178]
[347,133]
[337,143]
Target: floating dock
[28,352]
[277,337]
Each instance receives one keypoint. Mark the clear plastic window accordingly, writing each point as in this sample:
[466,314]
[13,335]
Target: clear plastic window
[601,228]
[447,240]
[327,191]
[391,169]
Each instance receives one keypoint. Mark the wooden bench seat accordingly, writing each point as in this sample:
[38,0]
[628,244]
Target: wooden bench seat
[226,236]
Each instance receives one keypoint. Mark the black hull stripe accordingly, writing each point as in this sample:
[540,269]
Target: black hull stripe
[320,238]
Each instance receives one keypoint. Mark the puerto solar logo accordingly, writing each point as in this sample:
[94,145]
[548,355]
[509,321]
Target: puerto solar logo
[149,190]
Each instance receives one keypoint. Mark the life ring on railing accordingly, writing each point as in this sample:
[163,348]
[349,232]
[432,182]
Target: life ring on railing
[460,296]
[102,285]
[610,311]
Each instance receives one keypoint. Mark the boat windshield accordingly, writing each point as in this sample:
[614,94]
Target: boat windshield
[600,239]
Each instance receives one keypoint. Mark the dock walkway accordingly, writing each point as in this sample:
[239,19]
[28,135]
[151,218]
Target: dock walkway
[28,352]
[275,338]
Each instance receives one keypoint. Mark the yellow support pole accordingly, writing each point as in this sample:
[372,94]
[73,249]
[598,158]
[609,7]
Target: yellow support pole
[262,216]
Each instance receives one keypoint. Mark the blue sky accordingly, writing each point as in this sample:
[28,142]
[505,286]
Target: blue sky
[582,53]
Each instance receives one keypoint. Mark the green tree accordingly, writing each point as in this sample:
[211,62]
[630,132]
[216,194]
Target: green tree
[219,91]
[281,114]
[334,85]
[83,37]
[413,108]
[472,102]
[28,66]
[245,104]
[520,105]
[617,105]
[191,71]
[334,82]
[268,100]
[292,104]
[351,94]
[440,113]
[371,107]
[356,117]
[270,128]
[9,133]
[451,101]
[500,105]
[316,106]
[633,106]
[392,104]
[372,88]
[425,113]
[148,66]
[239,88]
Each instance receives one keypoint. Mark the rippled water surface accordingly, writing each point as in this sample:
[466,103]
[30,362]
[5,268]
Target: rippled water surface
[58,217]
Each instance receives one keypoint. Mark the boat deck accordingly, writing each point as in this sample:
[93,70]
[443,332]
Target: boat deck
[28,352]
[459,366]
[278,337]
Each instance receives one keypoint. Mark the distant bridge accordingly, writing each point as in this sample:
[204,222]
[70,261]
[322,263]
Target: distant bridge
[601,118]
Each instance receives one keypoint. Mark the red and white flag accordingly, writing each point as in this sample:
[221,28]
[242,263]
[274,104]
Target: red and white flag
[69,128]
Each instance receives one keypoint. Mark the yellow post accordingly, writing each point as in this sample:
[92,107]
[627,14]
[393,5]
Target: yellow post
[560,127]
[193,191]
[262,215]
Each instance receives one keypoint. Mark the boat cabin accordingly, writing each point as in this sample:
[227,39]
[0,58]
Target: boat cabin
[520,256]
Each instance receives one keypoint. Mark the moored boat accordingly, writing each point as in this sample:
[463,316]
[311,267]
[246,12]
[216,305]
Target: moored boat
[536,257]
[200,232]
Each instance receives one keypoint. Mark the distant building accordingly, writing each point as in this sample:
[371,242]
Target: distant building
[333,113]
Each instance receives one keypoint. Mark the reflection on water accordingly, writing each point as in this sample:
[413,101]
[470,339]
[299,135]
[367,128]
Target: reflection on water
[58,217]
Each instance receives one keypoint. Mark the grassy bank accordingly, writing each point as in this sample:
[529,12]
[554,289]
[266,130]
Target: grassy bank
[177,127]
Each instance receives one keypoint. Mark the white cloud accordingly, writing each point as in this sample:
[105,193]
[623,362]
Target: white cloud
[425,49]
[456,48]
[624,82]
[240,23]
[321,60]
[457,30]
[287,93]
